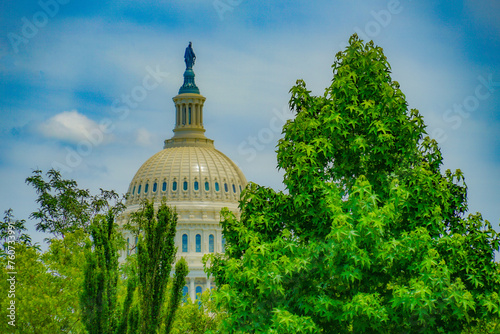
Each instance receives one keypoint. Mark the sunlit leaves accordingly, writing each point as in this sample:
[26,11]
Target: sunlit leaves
[370,236]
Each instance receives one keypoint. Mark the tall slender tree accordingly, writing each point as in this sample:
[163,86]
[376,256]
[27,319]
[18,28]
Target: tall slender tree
[155,255]
[181,271]
[99,296]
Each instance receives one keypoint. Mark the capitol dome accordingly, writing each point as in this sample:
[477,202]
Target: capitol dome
[192,177]
[187,173]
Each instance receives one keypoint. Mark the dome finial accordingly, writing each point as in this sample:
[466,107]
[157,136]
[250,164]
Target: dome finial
[189,85]
[189,56]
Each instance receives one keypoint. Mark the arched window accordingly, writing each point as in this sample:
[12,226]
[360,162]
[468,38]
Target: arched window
[196,185]
[155,187]
[146,187]
[198,292]
[198,243]
[189,112]
[234,189]
[139,190]
[207,186]
[174,185]
[217,186]
[184,243]
[185,185]
[211,243]
[185,291]
[128,246]
[240,188]
[133,191]
[225,187]
[164,186]
[223,241]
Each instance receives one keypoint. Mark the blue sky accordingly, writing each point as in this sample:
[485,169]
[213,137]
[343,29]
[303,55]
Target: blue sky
[72,78]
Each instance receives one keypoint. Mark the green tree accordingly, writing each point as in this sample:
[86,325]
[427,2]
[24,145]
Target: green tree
[129,279]
[181,271]
[371,236]
[47,287]
[49,283]
[155,255]
[99,296]
[63,207]
[197,318]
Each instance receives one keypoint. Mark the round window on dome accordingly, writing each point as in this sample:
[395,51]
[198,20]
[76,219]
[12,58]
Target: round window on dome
[217,186]
[164,186]
[196,186]
[207,186]
[174,185]
[185,185]
[146,188]
[155,187]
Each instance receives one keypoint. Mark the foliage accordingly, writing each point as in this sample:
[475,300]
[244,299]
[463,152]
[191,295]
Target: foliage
[199,317]
[13,230]
[64,207]
[49,283]
[129,282]
[155,255]
[371,237]
[492,327]
[150,272]
[47,287]
[181,271]
[99,296]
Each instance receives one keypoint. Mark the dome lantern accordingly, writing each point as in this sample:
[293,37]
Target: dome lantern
[188,107]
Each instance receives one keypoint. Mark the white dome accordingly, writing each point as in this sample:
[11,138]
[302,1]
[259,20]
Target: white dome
[187,173]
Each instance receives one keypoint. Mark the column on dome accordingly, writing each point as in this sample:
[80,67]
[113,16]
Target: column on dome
[201,118]
[179,116]
[195,113]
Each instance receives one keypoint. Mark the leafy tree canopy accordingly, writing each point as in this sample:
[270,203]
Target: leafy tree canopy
[47,287]
[64,207]
[371,237]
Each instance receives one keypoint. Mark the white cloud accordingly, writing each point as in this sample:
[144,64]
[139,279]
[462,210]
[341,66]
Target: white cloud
[143,137]
[71,126]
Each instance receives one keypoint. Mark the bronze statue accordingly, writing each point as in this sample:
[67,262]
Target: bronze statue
[189,56]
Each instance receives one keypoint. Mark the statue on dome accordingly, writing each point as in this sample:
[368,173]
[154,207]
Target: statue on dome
[189,56]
